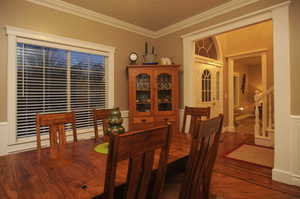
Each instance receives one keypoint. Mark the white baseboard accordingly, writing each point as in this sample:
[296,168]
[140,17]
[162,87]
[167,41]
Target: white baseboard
[285,177]
[244,116]
[3,138]
[228,129]
[264,141]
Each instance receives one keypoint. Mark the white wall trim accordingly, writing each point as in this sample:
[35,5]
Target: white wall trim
[18,34]
[280,16]
[41,36]
[29,143]
[94,16]
[4,138]
[204,16]
[248,19]
[295,147]
[105,19]
[286,177]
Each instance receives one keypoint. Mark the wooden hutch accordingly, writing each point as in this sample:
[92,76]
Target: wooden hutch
[153,95]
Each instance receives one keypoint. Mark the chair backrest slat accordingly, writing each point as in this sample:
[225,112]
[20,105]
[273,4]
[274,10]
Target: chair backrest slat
[102,115]
[139,147]
[204,148]
[195,113]
[56,123]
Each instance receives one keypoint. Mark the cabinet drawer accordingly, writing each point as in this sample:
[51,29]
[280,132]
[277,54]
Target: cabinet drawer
[141,126]
[166,119]
[143,120]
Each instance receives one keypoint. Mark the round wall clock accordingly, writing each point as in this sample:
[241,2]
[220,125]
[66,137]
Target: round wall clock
[133,57]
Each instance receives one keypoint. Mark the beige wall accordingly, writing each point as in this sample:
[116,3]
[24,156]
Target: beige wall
[25,15]
[295,56]
[250,38]
[253,83]
[171,45]
[20,13]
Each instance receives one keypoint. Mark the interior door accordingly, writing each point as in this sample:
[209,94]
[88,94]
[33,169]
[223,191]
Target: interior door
[210,88]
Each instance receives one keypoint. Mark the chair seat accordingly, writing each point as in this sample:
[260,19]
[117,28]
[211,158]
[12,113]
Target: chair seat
[172,187]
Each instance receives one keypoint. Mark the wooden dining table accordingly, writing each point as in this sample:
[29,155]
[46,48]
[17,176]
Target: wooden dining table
[74,171]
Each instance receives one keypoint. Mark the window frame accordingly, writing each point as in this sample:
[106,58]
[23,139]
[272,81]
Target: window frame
[16,35]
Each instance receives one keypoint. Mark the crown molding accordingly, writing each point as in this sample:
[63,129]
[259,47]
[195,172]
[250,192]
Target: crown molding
[204,16]
[94,16]
[101,18]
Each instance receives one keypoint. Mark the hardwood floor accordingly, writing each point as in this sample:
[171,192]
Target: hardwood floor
[239,180]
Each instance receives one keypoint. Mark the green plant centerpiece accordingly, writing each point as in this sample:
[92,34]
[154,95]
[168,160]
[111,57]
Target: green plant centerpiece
[114,126]
[115,122]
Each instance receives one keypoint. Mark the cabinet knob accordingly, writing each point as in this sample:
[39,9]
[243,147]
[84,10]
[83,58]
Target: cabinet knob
[143,120]
[166,119]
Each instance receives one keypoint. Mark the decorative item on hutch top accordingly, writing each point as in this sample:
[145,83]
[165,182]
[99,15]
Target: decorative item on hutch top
[133,57]
[149,58]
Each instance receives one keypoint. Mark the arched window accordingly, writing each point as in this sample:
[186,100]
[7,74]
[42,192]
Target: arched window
[206,47]
[206,86]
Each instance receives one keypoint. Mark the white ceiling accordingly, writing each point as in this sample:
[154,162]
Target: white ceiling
[149,14]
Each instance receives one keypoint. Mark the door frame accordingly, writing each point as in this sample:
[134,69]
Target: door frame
[279,14]
[213,63]
[236,75]
[262,53]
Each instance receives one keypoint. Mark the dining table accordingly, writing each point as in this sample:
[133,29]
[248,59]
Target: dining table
[74,171]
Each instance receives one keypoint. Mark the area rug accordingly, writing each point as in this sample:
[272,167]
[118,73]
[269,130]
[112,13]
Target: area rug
[262,156]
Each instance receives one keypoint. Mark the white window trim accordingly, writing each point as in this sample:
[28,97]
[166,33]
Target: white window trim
[18,34]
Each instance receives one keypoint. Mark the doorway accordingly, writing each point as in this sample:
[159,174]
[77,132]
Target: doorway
[208,67]
[247,77]
[247,82]
[279,14]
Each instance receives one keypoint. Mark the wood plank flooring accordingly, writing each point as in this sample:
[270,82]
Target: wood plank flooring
[240,180]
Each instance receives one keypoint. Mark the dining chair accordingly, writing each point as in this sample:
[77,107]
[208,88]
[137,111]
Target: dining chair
[195,113]
[56,123]
[195,182]
[139,147]
[100,115]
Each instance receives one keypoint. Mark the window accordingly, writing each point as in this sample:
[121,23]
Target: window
[56,80]
[206,86]
[206,48]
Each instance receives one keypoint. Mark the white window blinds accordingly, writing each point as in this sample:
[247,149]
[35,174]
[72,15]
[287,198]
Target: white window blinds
[57,80]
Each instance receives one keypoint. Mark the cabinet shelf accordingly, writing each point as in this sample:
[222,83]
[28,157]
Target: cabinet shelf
[164,89]
[143,103]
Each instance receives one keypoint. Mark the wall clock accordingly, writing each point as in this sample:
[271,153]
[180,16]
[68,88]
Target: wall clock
[133,57]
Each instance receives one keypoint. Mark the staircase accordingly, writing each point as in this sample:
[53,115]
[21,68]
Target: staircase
[264,118]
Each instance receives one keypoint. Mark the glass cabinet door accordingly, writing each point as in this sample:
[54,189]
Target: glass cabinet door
[143,93]
[164,92]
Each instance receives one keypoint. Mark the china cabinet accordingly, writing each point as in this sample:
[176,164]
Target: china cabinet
[153,95]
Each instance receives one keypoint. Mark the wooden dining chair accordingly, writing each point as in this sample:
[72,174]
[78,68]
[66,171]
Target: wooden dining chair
[100,115]
[194,183]
[139,148]
[195,113]
[56,123]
